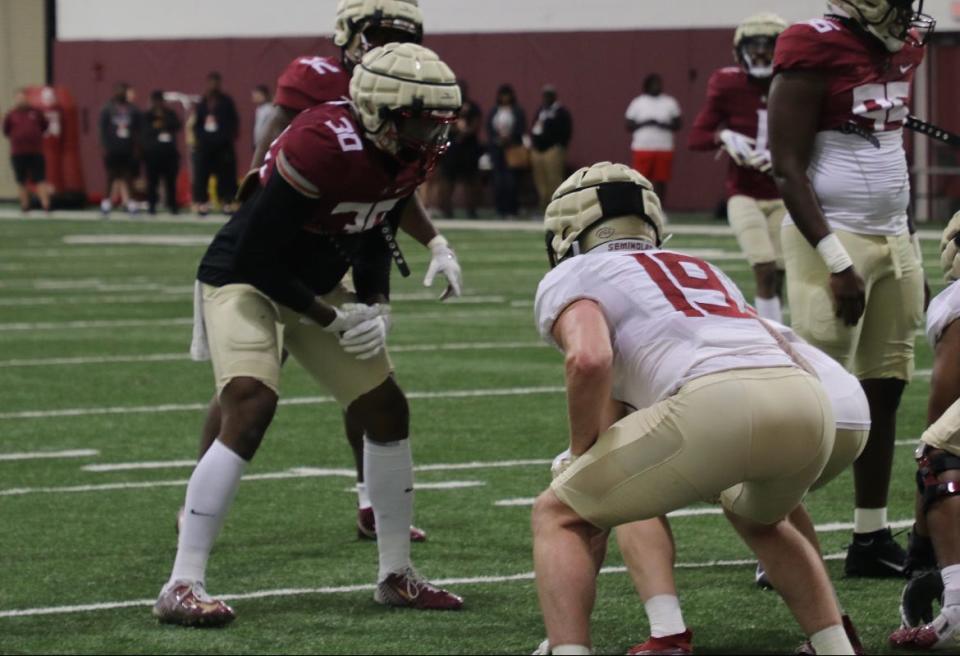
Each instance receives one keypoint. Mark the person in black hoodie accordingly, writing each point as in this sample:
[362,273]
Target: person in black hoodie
[160,127]
[119,132]
[215,130]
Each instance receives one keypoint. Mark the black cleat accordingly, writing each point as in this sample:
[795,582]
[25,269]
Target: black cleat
[761,579]
[875,555]
[920,555]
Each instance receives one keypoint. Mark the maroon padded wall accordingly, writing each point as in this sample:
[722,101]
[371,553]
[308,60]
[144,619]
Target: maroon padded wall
[597,74]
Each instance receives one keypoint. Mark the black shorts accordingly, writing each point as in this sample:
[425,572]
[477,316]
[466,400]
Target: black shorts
[30,167]
[121,164]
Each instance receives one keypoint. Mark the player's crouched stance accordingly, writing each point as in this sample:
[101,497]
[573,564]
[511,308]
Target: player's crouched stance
[271,281]
[938,477]
[670,336]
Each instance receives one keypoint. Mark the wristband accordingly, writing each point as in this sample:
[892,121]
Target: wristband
[833,253]
[437,242]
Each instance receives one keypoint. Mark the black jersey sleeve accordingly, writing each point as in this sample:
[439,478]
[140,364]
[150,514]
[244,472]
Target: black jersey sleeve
[275,220]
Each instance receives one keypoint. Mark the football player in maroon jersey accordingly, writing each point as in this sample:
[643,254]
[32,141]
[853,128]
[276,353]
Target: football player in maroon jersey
[271,280]
[840,94]
[734,119]
[312,80]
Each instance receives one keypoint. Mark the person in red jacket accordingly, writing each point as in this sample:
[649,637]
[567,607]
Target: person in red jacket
[24,126]
[734,119]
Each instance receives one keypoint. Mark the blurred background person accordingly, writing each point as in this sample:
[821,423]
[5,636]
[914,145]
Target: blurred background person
[119,130]
[160,153]
[550,136]
[461,161]
[506,125]
[215,130]
[653,117]
[24,126]
[264,110]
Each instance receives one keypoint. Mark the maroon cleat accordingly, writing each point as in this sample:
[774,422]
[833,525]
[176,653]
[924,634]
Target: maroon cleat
[678,644]
[186,603]
[367,527]
[806,649]
[410,590]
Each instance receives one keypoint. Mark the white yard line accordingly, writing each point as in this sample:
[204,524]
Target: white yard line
[111,323]
[177,357]
[302,400]
[442,485]
[49,455]
[293,473]
[347,589]
[133,466]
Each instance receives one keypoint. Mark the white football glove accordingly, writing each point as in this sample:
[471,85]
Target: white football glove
[761,161]
[562,462]
[367,338]
[738,146]
[348,316]
[444,261]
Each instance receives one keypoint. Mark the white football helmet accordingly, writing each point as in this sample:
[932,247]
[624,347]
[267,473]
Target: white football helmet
[407,99]
[950,250]
[601,204]
[365,24]
[894,22]
[754,41]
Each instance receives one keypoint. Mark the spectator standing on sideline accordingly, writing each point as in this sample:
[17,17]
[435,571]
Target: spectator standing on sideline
[550,136]
[215,131]
[506,125]
[653,117]
[119,131]
[263,112]
[160,153]
[24,127]
[461,162]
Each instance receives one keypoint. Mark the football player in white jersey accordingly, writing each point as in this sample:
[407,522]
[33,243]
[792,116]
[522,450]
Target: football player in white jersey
[674,394]
[840,93]
[938,478]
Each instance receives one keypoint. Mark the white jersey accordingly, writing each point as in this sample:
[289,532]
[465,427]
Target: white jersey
[861,188]
[851,410]
[943,310]
[663,109]
[672,317]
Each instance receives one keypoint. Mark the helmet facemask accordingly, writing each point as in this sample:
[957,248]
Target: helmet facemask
[755,54]
[895,25]
[415,135]
[379,30]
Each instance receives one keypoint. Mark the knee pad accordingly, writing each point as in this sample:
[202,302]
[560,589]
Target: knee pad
[930,466]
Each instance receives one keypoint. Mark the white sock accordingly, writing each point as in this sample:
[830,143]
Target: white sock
[951,585]
[210,494]
[388,472]
[869,520]
[572,650]
[769,308]
[363,497]
[664,614]
[832,640]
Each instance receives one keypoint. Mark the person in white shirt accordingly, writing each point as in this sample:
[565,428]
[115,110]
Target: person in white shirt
[263,112]
[676,394]
[653,117]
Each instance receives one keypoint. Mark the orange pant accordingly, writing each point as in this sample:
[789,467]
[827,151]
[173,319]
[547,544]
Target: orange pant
[654,165]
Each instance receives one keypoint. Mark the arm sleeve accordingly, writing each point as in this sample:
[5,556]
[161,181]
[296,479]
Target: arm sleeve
[277,215]
[710,118]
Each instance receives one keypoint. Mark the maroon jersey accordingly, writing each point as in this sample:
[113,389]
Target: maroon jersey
[868,85]
[311,80]
[24,126]
[737,102]
[322,155]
